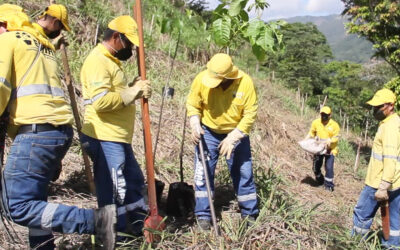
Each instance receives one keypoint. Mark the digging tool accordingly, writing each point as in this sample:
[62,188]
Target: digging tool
[180,201]
[384,206]
[75,111]
[154,221]
[209,195]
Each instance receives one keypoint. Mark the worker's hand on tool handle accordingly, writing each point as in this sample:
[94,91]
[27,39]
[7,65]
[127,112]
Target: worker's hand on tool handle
[58,41]
[196,128]
[228,144]
[141,88]
[382,193]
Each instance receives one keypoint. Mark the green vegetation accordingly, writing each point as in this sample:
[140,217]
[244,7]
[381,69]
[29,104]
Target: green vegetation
[378,21]
[345,47]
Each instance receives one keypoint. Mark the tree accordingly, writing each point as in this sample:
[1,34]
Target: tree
[301,65]
[231,27]
[379,22]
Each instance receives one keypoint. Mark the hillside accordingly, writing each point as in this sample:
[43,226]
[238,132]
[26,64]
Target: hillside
[294,212]
[344,46]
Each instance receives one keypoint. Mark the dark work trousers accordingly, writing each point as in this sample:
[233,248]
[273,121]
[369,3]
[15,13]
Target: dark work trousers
[317,164]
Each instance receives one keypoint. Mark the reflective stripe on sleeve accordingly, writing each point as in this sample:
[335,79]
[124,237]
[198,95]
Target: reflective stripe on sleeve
[247,197]
[38,89]
[48,214]
[5,82]
[95,98]
[380,157]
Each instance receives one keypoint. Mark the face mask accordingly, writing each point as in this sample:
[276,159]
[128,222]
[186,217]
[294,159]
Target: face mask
[379,114]
[54,34]
[124,54]
[324,117]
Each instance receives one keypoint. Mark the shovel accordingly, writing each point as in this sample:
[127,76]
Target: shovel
[180,201]
[385,219]
[154,222]
[203,162]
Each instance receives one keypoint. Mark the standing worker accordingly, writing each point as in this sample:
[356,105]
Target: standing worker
[326,130]
[40,121]
[222,107]
[382,182]
[109,122]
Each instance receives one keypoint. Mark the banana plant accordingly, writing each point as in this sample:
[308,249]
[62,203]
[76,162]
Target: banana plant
[231,26]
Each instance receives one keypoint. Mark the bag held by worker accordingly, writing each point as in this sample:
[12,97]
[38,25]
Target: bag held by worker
[313,146]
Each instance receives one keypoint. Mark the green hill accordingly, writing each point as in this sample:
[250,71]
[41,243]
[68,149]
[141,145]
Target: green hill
[344,46]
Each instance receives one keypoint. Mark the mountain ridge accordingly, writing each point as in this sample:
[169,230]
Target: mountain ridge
[344,46]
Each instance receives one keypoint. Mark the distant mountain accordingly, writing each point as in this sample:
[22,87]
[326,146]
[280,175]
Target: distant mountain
[344,46]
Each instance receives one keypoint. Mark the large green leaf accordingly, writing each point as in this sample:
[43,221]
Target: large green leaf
[253,30]
[166,26]
[221,30]
[258,52]
[266,39]
[236,6]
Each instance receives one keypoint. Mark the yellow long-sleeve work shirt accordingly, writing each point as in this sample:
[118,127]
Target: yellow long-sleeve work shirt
[106,117]
[323,132]
[29,82]
[384,162]
[224,110]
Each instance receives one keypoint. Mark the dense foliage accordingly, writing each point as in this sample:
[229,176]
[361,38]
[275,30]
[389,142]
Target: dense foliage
[379,22]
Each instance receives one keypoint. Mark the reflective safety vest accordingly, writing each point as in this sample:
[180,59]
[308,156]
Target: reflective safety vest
[323,132]
[29,83]
[384,163]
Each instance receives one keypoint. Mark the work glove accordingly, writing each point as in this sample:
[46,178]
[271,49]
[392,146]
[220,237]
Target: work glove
[196,128]
[135,80]
[328,143]
[138,90]
[382,193]
[228,144]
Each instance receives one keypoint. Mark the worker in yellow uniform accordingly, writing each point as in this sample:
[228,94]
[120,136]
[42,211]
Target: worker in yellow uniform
[325,130]
[382,182]
[40,121]
[222,107]
[109,122]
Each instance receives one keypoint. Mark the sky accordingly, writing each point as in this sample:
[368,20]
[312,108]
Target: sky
[290,8]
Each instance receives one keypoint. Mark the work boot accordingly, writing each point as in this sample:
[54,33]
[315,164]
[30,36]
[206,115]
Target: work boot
[320,179]
[204,225]
[105,223]
[329,188]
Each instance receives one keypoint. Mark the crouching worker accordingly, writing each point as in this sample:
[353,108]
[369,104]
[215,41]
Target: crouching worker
[222,106]
[382,182]
[40,121]
[109,122]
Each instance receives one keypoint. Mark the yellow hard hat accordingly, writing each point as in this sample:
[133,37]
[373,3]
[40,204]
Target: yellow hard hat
[381,97]
[13,15]
[326,110]
[60,12]
[127,26]
[220,67]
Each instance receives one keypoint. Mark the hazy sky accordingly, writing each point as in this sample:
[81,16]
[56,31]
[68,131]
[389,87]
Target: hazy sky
[289,8]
